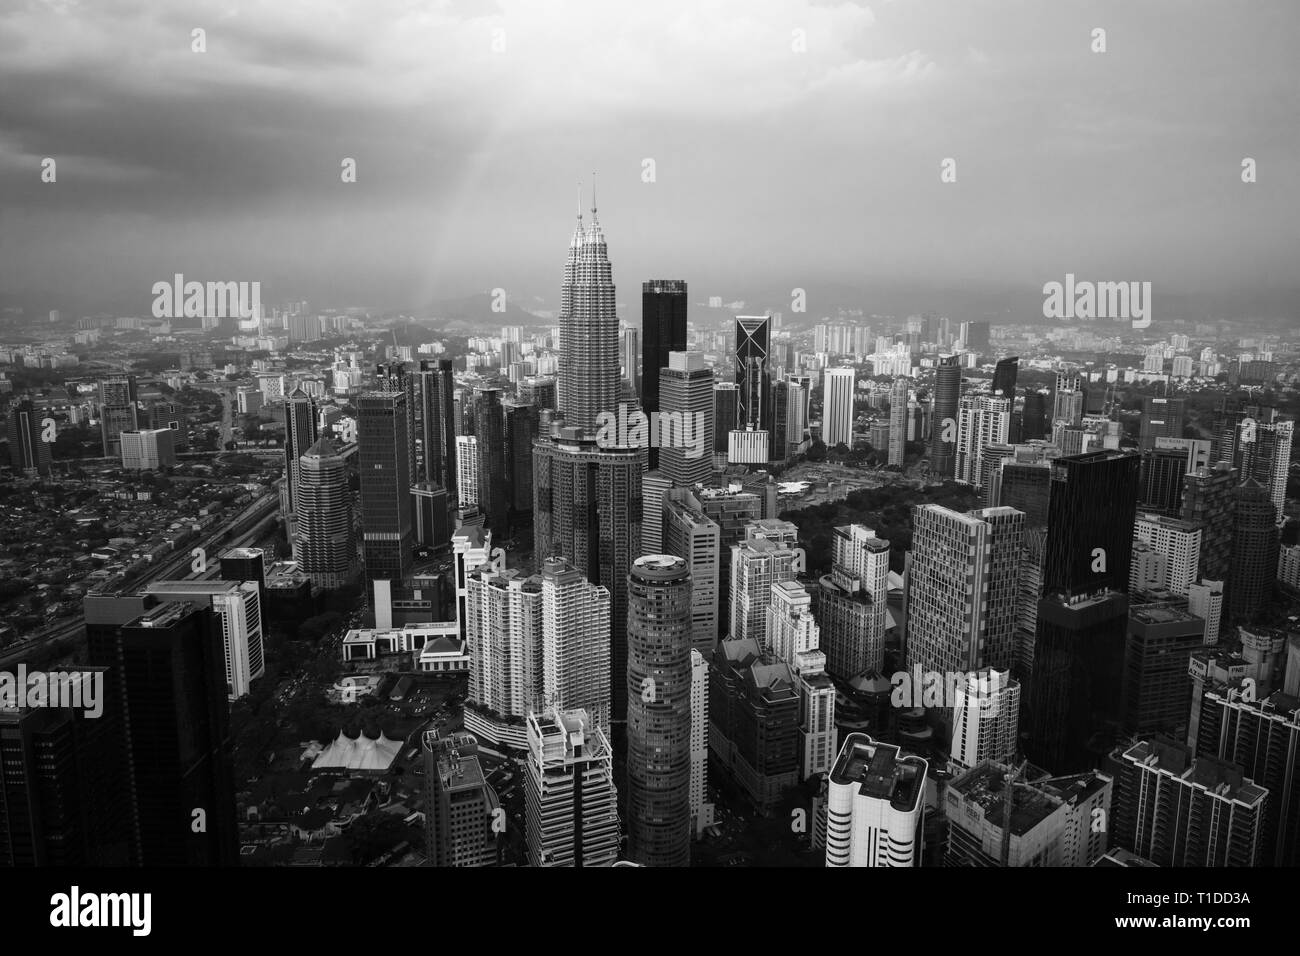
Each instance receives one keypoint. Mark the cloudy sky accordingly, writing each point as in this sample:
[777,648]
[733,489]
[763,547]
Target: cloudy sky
[472,122]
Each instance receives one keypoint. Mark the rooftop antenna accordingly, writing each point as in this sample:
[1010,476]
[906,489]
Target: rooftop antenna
[579,198]
[593,192]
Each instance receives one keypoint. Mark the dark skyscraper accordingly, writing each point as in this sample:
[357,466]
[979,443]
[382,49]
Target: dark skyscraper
[1004,377]
[1254,552]
[63,786]
[299,435]
[393,377]
[521,430]
[117,412]
[1161,484]
[659,711]
[168,680]
[663,330]
[943,418]
[587,509]
[489,429]
[753,339]
[1075,699]
[438,423]
[388,534]
[1209,502]
[1034,422]
[725,398]
[28,452]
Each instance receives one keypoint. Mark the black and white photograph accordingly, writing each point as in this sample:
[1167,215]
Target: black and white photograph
[763,435]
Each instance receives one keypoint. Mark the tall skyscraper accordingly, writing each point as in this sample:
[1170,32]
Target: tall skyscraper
[663,331]
[753,341]
[659,711]
[117,411]
[1075,698]
[63,785]
[1004,377]
[798,398]
[686,419]
[897,421]
[1067,399]
[874,805]
[1254,551]
[521,430]
[756,565]
[1208,501]
[726,403]
[438,423]
[28,451]
[299,434]
[393,377]
[837,406]
[587,508]
[490,437]
[943,416]
[571,804]
[503,628]
[1162,636]
[467,466]
[384,461]
[701,809]
[695,538]
[326,545]
[167,678]
[589,341]
[238,609]
[1177,542]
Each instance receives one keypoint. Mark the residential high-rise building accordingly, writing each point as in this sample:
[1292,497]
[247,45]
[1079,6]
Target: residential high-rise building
[300,433]
[1262,737]
[490,439]
[29,453]
[981,421]
[1067,399]
[695,538]
[685,421]
[1254,551]
[986,719]
[167,679]
[837,406]
[575,651]
[962,588]
[589,341]
[1161,418]
[659,711]
[756,565]
[898,409]
[326,534]
[1205,600]
[753,341]
[874,804]
[1209,502]
[1075,695]
[943,416]
[851,602]
[701,809]
[384,462]
[467,468]
[663,331]
[459,806]
[587,509]
[1178,541]
[503,629]
[1176,809]
[571,803]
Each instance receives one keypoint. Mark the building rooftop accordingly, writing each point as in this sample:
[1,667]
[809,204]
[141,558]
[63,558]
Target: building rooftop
[881,771]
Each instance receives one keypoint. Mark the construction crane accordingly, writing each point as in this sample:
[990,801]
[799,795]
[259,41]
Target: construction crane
[1008,793]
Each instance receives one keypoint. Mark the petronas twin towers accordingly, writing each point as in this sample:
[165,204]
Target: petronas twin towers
[589,358]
